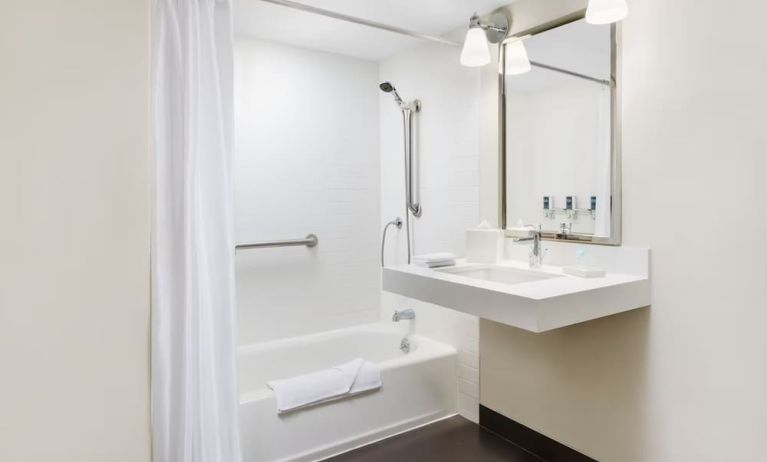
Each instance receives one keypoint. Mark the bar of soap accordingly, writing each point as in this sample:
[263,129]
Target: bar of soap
[583,271]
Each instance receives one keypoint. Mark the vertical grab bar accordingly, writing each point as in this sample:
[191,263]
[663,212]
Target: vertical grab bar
[407,119]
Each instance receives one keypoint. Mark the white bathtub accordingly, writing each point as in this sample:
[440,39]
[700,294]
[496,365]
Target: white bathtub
[418,387]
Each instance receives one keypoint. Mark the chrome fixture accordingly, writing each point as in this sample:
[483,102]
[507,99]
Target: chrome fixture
[310,240]
[404,314]
[475,49]
[536,252]
[408,109]
[404,345]
[395,222]
[387,87]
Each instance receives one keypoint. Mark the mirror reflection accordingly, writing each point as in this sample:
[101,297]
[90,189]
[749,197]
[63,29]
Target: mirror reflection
[559,155]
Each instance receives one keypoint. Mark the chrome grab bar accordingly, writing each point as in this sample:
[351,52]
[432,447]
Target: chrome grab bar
[408,109]
[310,240]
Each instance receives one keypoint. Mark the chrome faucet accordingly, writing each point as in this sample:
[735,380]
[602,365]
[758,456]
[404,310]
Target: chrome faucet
[537,251]
[404,314]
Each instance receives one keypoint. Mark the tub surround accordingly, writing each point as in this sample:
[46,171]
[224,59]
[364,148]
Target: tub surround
[538,299]
[418,388]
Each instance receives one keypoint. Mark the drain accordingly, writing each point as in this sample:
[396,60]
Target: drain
[404,345]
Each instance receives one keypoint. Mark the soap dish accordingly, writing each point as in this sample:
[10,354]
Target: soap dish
[584,271]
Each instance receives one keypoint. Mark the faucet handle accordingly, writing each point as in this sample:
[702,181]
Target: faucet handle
[403,314]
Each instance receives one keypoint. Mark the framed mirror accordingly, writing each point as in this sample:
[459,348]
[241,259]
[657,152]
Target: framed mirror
[560,132]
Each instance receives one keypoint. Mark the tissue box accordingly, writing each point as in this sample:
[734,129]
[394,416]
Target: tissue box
[484,245]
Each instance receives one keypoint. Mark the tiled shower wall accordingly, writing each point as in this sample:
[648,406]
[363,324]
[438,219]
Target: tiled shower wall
[307,157]
[331,162]
[448,154]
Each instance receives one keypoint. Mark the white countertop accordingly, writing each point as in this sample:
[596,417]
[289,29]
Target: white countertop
[538,305]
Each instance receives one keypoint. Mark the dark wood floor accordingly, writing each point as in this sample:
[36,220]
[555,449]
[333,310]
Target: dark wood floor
[451,440]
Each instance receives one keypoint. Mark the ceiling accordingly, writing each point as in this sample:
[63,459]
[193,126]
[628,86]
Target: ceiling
[260,20]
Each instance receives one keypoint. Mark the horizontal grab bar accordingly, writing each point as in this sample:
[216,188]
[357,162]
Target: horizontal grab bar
[309,241]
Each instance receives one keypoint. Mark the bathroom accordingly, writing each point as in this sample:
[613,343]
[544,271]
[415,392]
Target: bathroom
[304,230]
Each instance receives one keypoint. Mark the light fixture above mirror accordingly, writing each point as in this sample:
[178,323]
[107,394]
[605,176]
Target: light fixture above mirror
[476,51]
[517,61]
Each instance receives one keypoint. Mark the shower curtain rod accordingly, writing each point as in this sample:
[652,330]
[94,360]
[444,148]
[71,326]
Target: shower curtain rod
[571,73]
[408,33]
[361,21]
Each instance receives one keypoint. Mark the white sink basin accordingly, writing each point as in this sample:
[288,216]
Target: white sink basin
[500,274]
[536,300]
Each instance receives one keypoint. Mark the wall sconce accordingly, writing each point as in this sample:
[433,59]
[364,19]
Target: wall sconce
[517,61]
[476,51]
[606,11]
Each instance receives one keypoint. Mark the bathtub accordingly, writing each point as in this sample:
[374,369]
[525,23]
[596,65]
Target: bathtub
[418,387]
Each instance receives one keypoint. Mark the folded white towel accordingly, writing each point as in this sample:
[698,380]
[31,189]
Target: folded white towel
[434,260]
[337,382]
[520,232]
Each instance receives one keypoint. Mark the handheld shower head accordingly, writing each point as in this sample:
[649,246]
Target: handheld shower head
[387,87]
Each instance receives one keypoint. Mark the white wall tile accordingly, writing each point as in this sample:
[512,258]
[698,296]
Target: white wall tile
[448,155]
[307,160]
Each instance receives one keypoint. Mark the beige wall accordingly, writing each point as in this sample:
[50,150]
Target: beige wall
[74,231]
[685,380]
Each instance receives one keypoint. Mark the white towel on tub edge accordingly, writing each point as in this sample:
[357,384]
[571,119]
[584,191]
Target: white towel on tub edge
[340,381]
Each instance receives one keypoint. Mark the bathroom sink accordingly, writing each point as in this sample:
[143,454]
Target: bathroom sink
[536,300]
[500,274]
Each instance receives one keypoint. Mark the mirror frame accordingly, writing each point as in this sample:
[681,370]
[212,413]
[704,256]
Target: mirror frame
[616,215]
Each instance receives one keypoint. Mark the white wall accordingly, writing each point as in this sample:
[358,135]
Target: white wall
[74,231]
[685,379]
[449,186]
[306,161]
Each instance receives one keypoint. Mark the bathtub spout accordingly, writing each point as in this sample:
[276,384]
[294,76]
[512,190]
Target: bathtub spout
[404,314]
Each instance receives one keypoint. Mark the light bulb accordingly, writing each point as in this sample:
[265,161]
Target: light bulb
[475,51]
[606,11]
[517,61]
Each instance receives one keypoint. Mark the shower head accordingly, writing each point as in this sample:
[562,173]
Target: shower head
[387,87]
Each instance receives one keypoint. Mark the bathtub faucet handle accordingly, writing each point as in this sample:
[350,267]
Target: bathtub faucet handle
[403,314]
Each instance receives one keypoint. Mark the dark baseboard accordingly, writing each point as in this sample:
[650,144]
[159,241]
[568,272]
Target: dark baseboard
[541,445]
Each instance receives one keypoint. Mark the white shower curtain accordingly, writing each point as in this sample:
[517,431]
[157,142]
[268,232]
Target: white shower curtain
[194,388]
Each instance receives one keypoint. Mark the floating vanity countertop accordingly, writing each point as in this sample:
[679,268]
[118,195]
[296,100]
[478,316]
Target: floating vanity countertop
[532,299]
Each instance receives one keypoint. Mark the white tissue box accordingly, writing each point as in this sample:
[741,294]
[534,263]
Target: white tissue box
[484,245]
